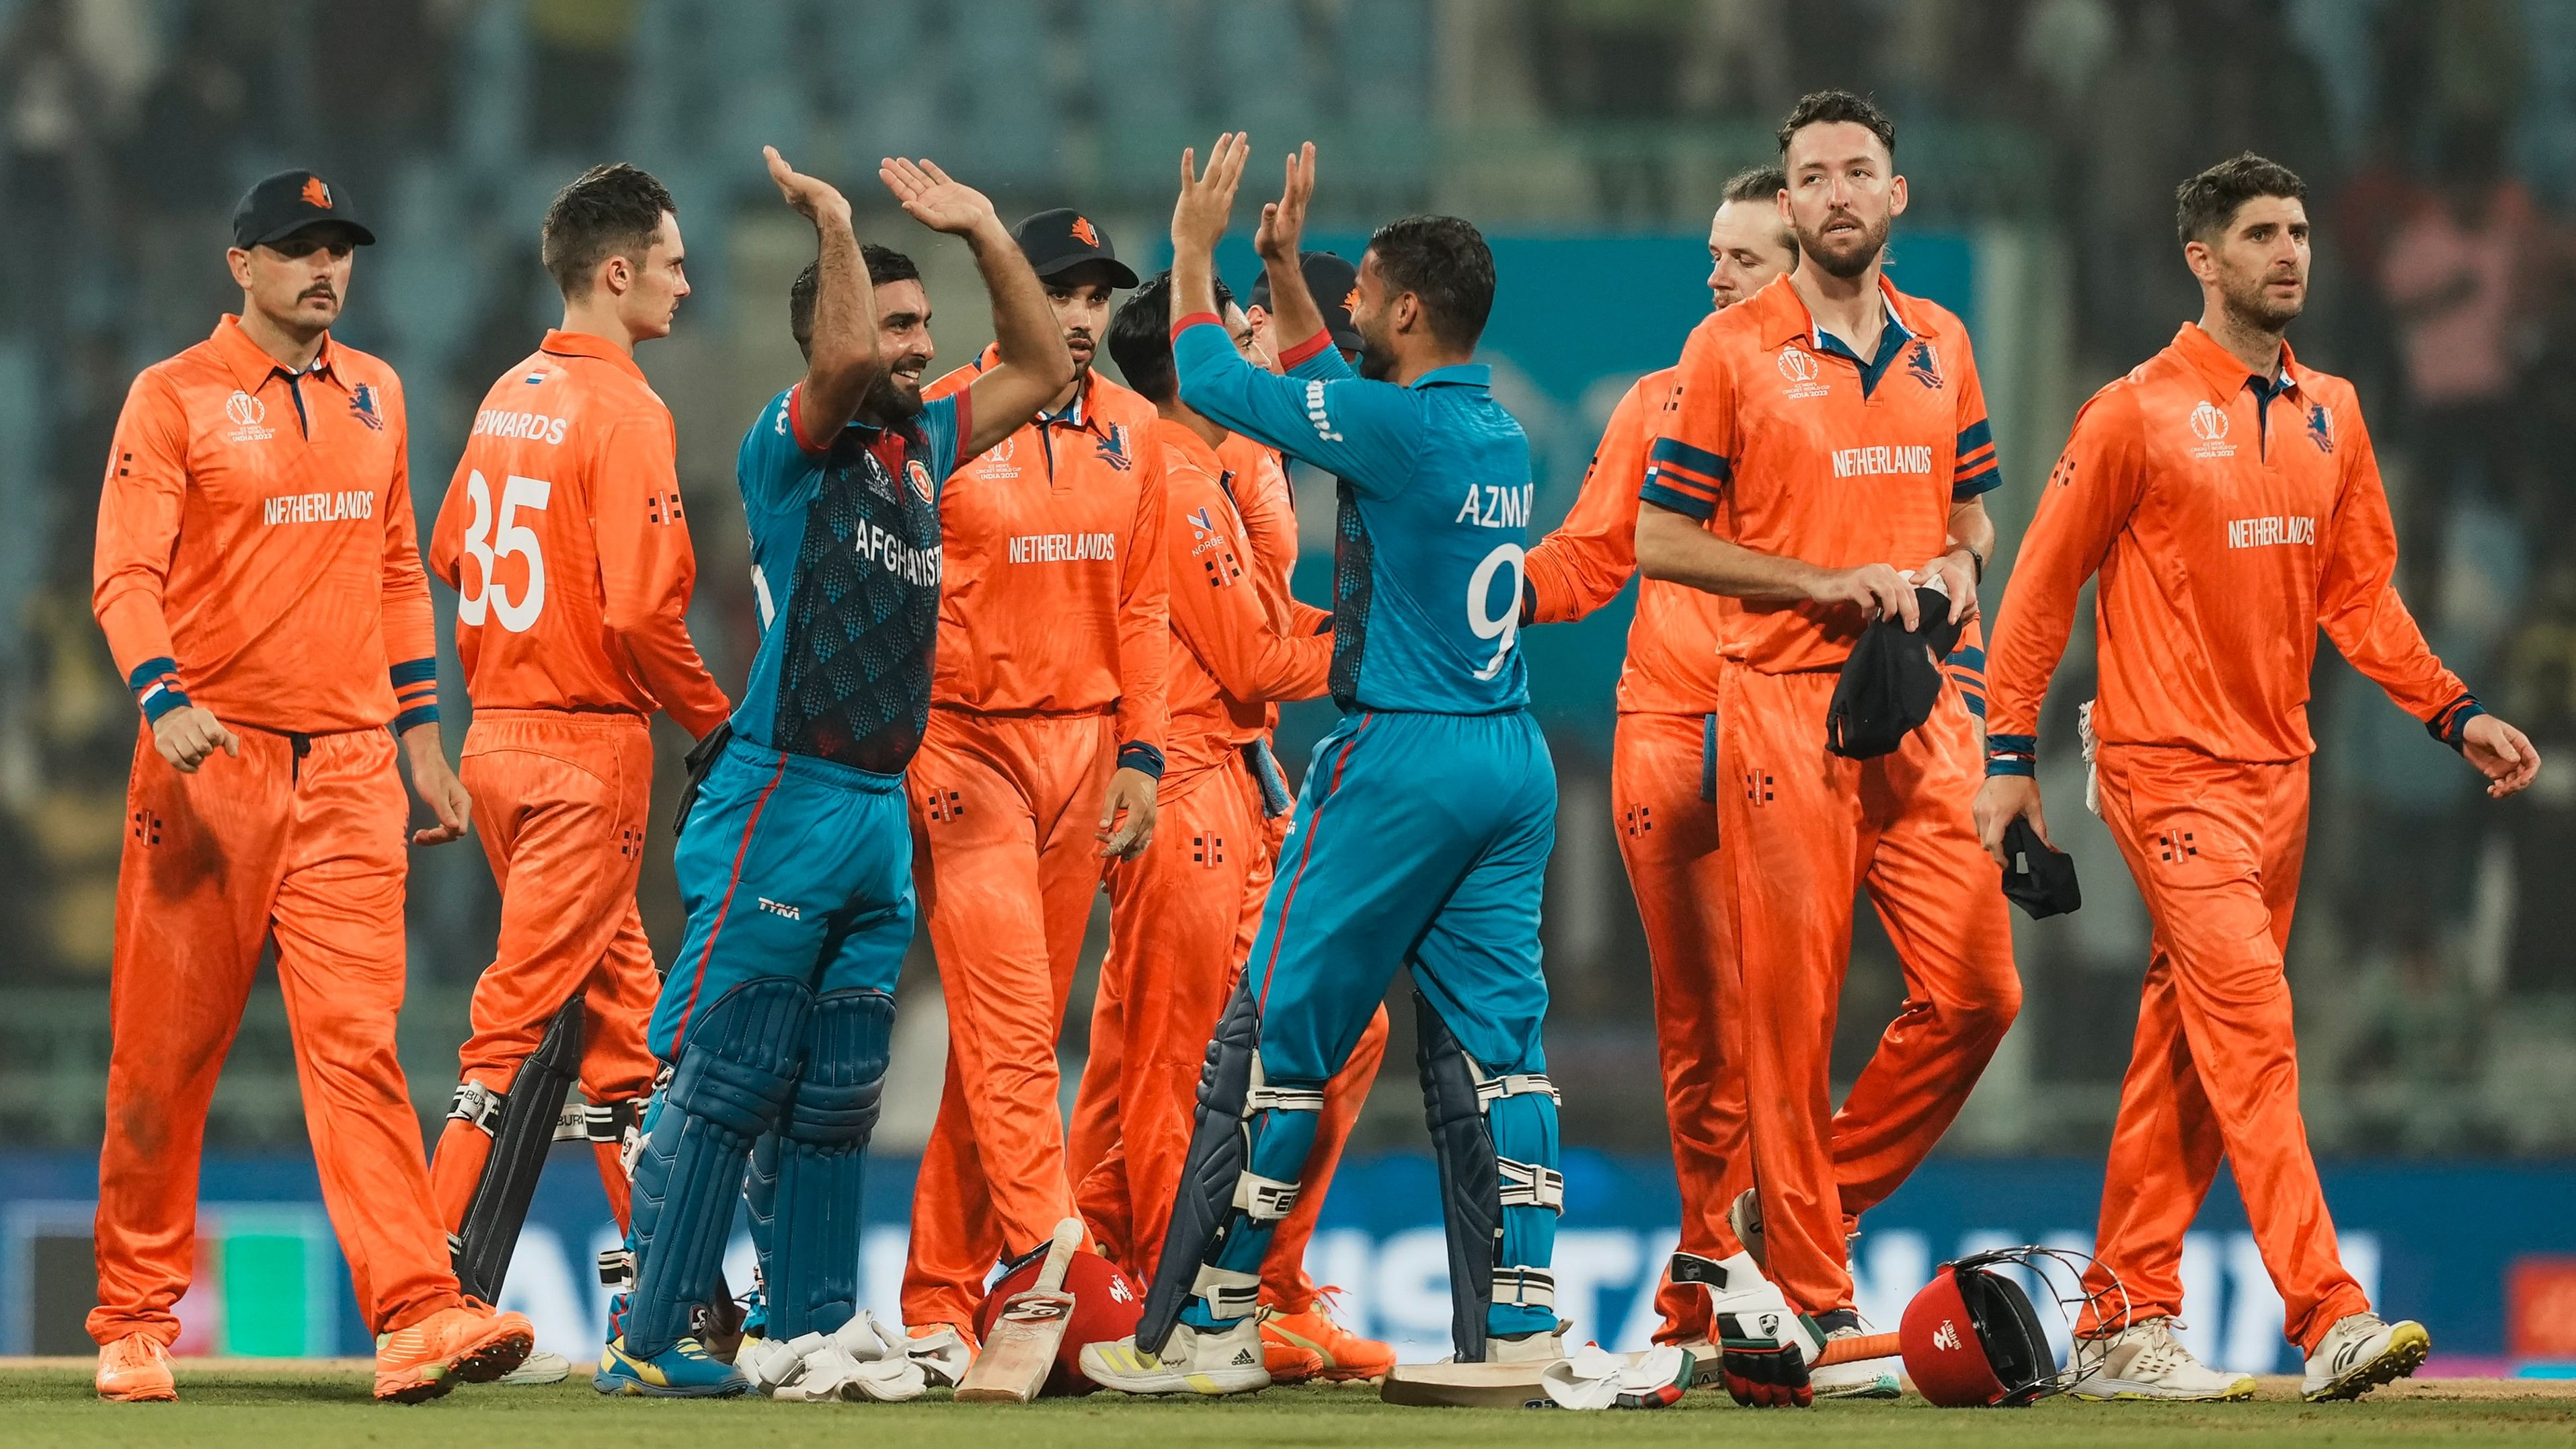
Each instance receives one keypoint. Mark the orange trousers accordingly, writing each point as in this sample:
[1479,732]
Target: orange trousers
[302,840]
[1181,920]
[1803,829]
[2216,848]
[561,801]
[1006,863]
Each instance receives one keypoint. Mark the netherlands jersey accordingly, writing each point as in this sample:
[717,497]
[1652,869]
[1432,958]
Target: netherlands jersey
[1820,454]
[1433,518]
[845,562]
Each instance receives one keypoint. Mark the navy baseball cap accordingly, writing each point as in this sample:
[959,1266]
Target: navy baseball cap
[288,202]
[1335,283]
[1056,242]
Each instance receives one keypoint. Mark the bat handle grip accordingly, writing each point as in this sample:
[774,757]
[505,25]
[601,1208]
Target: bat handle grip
[1868,1345]
[1060,1251]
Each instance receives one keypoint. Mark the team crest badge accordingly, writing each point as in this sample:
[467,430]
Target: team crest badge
[2321,427]
[362,406]
[1924,365]
[1113,447]
[316,194]
[919,477]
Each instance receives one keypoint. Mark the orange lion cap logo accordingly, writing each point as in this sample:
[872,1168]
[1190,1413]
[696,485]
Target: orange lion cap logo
[317,194]
[1084,232]
[1351,303]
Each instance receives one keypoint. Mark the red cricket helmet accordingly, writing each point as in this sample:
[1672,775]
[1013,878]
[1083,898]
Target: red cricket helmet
[1106,1305]
[1971,1338]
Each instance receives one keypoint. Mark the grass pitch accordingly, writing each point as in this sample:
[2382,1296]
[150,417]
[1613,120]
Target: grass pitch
[279,1407]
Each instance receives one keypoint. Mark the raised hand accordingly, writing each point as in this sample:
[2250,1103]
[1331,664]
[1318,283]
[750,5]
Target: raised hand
[1283,222]
[933,198]
[1207,198]
[815,200]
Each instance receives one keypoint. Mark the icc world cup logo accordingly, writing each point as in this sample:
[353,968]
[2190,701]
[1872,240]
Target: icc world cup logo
[2208,422]
[1797,365]
[244,410]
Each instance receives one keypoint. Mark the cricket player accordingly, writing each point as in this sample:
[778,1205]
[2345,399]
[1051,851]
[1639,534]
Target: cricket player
[1423,831]
[1183,913]
[2229,500]
[795,861]
[259,582]
[564,538]
[1046,743]
[1824,449]
[1663,775]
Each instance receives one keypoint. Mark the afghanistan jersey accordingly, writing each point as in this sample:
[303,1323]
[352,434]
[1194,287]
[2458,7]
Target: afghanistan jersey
[845,561]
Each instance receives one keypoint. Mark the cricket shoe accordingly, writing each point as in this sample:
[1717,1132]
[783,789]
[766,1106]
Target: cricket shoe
[467,1344]
[136,1370]
[2360,1353]
[540,1367]
[1535,1346]
[685,1370]
[1341,1355]
[2146,1361]
[944,1350]
[1870,1378]
[1193,1361]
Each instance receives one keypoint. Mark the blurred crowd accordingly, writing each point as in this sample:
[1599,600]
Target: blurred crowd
[2436,963]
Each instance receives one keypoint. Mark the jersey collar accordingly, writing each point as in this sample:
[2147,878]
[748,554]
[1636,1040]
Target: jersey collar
[250,363]
[2226,373]
[1464,374]
[582,344]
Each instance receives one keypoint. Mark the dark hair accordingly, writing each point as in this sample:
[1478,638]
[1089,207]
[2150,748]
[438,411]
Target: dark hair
[885,264]
[1443,261]
[1140,337]
[1758,183]
[1834,107]
[2206,203]
[607,211]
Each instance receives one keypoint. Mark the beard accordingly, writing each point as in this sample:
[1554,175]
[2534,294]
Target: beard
[889,401]
[2251,303]
[1377,354]
[1850,254]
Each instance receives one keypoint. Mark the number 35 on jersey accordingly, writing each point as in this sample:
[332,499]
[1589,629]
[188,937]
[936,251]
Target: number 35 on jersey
[496,535]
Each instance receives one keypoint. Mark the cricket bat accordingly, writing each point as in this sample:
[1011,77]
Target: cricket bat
[1853,1350]
[1021,1349]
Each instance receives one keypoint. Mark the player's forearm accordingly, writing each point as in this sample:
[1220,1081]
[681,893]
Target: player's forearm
[1572,573]
[846,358]
[1973,529]
[1292,306]
[1025,335]
[1678,549]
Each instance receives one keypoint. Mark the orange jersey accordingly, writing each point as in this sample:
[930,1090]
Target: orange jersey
[1258,482]
[2229,521]
[1052,587]
[1819,456]
[1231,660]
[567,506]
[256,553]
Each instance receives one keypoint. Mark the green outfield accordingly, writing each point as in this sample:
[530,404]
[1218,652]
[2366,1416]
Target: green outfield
[277,1408]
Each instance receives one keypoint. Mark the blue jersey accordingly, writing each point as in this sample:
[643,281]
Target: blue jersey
[845,560]
[1435,499]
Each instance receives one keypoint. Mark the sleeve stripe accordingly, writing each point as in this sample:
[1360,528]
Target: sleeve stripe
[1979,434]
[1985,482]
[1685,504]
[151,671]
[1688,478]
[1676,453]
[1968,658]
[1312,347]
[796,422]
[414,671]
[410,718]
[1976,460]
[1137,755]
[1184,324]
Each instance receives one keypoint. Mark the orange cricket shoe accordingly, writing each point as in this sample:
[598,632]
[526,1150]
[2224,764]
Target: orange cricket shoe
[1342,1356]
[136,1370]
[468,1344]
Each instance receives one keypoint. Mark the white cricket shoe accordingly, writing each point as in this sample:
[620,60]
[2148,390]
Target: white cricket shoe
[2146,1361]
[857,1362]
[1868,1378]
[2360,1353]
[943,1353]
[1192,1362]
[540,1367]
[1540,1348]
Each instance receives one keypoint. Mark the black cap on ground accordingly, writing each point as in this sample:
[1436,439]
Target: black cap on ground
[288,202]
[1056,242]
[1336,285]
